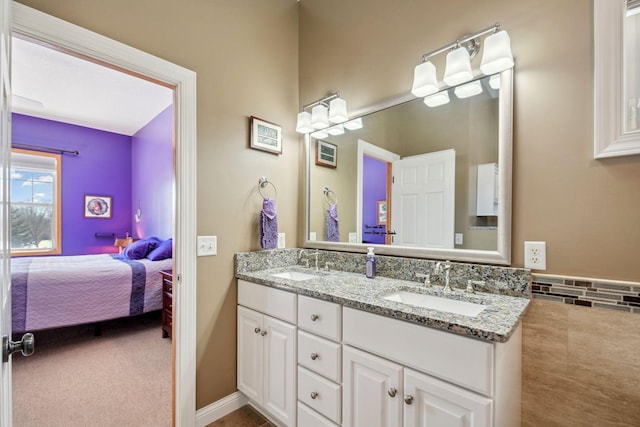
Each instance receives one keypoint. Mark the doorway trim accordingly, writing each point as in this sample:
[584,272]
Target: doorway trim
[48,29]
[368,149]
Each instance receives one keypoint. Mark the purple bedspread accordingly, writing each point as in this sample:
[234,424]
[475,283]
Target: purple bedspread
[56,291]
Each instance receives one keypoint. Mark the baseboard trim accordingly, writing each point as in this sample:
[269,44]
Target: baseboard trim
[220,408]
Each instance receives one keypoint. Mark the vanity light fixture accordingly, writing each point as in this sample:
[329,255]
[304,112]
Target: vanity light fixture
[336,130]
[354,124]
[319,134]
[437,99]
[324,111]
[494,81]
[496,57]
[468,90]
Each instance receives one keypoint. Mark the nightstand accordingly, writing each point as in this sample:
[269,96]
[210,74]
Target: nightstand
[167,302]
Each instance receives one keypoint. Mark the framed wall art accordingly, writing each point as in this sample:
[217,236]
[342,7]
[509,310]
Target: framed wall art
[266,136]
[326,154]
[97,206]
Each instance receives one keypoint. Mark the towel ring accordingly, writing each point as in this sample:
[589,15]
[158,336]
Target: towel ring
[327,193]
[263,182]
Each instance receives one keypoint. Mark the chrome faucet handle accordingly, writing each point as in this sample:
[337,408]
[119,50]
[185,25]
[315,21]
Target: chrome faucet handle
[426,277]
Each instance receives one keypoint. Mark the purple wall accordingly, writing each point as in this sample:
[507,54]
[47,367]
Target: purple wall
[152,177]
[102,168]
[374,188]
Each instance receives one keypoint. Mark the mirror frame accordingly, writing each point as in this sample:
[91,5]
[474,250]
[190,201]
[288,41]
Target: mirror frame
[500,256]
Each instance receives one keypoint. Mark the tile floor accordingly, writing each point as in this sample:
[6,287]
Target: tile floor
[243,417]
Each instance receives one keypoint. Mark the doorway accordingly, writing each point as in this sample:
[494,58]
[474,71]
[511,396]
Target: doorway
[39,26]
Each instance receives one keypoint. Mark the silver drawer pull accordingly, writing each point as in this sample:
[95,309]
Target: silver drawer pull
[314,317]
[263,333]
[314,356]
[256,330]
[408,399]
[314,395]
[392,392]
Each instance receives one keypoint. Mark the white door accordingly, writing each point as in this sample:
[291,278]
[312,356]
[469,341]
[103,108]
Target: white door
[372,390]
[423,200]
[250,353]
[5,134]
[280,369]
[434,403]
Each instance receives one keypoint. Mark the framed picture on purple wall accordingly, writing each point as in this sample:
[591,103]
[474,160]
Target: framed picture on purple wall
[326,154]
[266,136]
[381,208]
[97,206]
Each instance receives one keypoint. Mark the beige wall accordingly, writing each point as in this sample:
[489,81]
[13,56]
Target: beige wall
[586,210]
[246,60]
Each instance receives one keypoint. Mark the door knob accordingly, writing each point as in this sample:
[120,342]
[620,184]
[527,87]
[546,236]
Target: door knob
[26,345]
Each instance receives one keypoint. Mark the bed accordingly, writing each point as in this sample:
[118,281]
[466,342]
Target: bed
[56,291]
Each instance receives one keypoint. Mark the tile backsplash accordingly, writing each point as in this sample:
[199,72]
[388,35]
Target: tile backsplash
[594,293]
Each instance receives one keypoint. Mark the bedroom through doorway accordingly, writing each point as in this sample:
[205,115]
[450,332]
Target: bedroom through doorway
[128,166]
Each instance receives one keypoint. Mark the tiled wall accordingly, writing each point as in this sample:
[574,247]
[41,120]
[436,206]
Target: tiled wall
[610,295]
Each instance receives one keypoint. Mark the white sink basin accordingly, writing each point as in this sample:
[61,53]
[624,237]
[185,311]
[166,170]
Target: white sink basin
[436,303]
[294,275]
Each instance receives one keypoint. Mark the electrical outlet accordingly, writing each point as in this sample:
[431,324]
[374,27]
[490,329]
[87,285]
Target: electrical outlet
[281,241]
[458,238]
[312,235]
[535,255]
[353,237]
[207,245]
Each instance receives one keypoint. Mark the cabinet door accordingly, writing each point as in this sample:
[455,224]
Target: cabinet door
[372,395]
[250,363]
[434,403]
[280,370]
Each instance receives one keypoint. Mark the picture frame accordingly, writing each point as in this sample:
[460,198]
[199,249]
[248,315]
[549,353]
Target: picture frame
[265,136]
[98,206]
[326,154]
[381,212]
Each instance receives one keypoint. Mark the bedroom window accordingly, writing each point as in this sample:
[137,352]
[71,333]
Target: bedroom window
[35,207]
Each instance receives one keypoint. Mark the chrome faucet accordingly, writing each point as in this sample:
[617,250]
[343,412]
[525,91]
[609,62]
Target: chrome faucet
[446,268]
[308,254]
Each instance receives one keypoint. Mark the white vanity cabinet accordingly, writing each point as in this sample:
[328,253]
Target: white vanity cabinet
[400,374]
[267,349]
[319,363]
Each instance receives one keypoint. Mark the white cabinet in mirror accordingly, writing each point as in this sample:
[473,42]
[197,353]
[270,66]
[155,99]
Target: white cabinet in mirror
[407,180]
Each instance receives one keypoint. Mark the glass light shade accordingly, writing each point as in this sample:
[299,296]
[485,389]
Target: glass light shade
[496,55]
[437,99]
[458,67]
[336,130]
[494,81]
[304,122]
[338,111]
[354,124]
[319,134]
[319,117]
[425,81]
[468,90]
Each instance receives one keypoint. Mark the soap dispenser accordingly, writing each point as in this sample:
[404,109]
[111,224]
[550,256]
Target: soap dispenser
[370,266]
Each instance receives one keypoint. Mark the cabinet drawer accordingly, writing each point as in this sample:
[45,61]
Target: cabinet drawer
[322,356]
[307,417]
[320,394]
[454,358]
[167,301]
[167,285]
[274,302]
[320,317]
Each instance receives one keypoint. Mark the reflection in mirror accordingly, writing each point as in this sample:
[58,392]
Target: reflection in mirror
[418,180]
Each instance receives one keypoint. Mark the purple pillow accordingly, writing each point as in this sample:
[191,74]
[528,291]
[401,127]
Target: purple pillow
[140,248]
[163,251]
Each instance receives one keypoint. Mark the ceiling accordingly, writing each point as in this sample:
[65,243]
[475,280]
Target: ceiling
[53,85]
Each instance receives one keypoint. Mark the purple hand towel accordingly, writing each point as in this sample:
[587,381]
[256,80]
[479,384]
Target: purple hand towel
[333,231]
[268,224]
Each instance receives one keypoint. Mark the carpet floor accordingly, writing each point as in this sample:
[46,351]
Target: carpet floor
[120,378]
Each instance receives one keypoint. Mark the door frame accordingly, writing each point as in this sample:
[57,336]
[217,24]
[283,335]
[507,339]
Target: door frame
[368,149]
[51,30]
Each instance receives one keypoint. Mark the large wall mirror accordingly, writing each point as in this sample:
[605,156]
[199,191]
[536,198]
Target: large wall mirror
[418,181]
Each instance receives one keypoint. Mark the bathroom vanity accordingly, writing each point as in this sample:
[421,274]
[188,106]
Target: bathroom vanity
[333,348]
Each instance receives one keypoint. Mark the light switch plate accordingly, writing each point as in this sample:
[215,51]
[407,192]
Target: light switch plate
[281,241]
[353,237]
[312,235]
[458,238]
[207,245]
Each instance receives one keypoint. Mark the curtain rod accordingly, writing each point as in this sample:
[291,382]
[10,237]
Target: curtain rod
[42,148]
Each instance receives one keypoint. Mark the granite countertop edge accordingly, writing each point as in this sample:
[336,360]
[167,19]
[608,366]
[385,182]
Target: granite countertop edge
[495,324]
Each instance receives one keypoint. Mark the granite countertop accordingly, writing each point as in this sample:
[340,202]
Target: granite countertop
[496,323]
